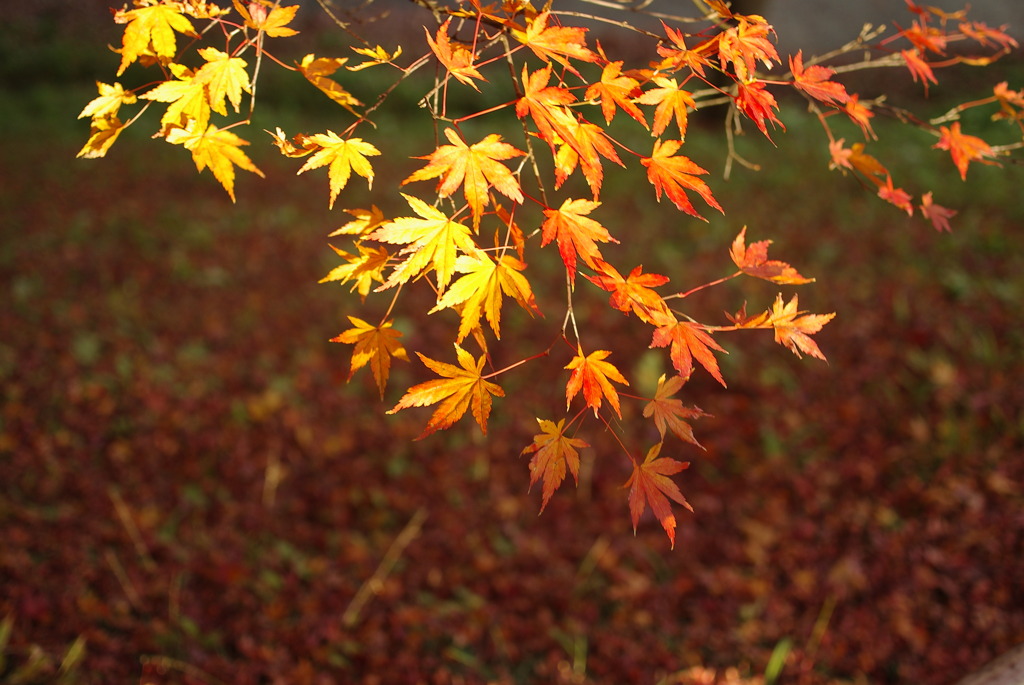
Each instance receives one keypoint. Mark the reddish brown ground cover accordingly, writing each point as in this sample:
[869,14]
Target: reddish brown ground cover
[186,481]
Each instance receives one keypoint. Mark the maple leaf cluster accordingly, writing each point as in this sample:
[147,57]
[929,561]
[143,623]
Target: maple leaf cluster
[470,239]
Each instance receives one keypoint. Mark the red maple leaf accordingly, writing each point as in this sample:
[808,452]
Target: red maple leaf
[937,214]
[650,484]
[754,100]
[753,260]
[553,454]
[593,375]
[814,80]
[919,69]
[632,293]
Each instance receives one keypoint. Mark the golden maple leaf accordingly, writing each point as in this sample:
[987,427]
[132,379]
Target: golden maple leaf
[110,99]
[102,134]
[593,375]
[374,345]
[553,453]
[153,28]
[187,98]
[364,268]
[344,156]
[225,78]
[794,328]
[317,70]
[274,22]
[459,388]
[219,150]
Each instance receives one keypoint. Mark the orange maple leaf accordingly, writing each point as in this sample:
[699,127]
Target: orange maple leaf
[456,57]
[669,413]
[937,214]
[477,167]
[919,69]
[575,233]
[364,268]
[374,345]
[615,90]
[459,388]
[963,148]
[546,106]
[814,80]
[753,261]
[794,328]
[672,101]
[593,375]
[677,56]
[632,293]
[672,175]
[555,42]
[754,100]
[746,44]
[587,144]
[650,484]
[553,453]
[986,35]
[688,341]
[895,196]
[861,115]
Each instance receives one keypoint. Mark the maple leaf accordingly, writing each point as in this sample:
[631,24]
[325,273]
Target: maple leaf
[273,23]
[377,55]
[793,328]
[555,42]
[151,27]
[688,341]
[576,234]
[343,156]
[103,131]
[632,293]
[963,148]
[670,414]
[937,214]
[672,175]
[364,268]
[650,484]
[456,57]
[109,102]
[225,79]
[318,70]
[431,242]
[459,388]
[593,375]
[672,101]
[861,115]
[219,150]
[480,290]
[755,101]
[753,261]
[586,145]
[677,56]
[615,90]
[814,80]
[299,146]
[986,35]
[895,196]
[477,167]
[746,44]
[919,69]
[374,345]
[553,453]
[187,98]
[366,221]
[544,103]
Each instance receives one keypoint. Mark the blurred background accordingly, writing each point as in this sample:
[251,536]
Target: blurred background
[191,493]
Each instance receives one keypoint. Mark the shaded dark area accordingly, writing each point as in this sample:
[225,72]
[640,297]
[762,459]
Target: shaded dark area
[187,482]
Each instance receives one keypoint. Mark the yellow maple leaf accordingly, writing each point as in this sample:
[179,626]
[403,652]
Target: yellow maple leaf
[477,167]
[103,132]
[273,23]
[480,290]
[317,70]
[364,268]
[343,156]
[366,220]
[225,78]
[187,100]
[377,55]
[374,345]
[109,101]
[219,150]
[151,27]
[430,242]
[459,388]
